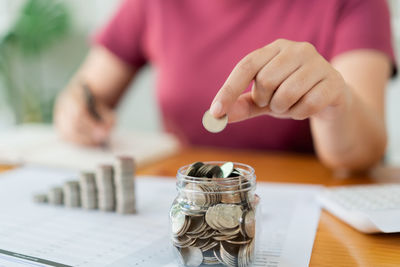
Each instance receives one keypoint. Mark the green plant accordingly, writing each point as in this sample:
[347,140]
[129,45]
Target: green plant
[39,25]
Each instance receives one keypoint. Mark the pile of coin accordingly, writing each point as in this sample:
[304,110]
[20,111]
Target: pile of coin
[55,196]
[88,189]
[105,187]
[124,185]
[213,218]
[110,188]
[40,198]
[71,192]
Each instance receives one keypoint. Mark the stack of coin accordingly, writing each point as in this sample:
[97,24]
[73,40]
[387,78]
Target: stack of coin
[108,189]
[125,185]
[71,190]
[40,198]
[105,187]
[88,187]
[55,196]
[213,220]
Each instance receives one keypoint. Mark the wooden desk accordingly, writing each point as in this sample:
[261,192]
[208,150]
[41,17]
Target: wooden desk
[336,244]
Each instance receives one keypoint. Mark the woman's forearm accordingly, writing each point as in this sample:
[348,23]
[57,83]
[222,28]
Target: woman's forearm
[352,139]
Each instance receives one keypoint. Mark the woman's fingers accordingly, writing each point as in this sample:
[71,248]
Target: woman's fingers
[82,128]
[312,102]
[72,131]
[240,78]
[76,124]
[272,75]
[291,80]
[245,108]
[295,86]
[107,116]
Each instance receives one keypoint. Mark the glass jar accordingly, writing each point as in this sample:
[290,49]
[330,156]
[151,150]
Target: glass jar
[213,218]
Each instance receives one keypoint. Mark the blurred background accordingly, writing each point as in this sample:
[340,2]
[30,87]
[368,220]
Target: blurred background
[35,67]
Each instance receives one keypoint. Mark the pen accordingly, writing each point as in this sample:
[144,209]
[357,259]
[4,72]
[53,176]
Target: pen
[90,102]
[91,106]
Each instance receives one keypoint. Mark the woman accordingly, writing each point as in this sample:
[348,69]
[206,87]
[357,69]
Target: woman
[299,75]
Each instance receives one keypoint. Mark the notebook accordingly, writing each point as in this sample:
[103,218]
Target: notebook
[39,144]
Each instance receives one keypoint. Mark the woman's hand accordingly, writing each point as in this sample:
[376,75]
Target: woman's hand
[107,76]
[76,124]
[291,80]
[345,103]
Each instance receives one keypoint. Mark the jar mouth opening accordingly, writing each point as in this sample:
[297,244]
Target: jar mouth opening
[247,170]
[224,192]
[206,185]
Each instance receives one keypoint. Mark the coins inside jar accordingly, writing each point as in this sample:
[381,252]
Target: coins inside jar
[213,219]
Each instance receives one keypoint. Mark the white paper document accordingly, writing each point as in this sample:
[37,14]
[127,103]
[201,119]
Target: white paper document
[39,144]
[43,235]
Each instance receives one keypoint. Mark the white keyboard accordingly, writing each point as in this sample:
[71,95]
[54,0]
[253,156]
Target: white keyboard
[367,208]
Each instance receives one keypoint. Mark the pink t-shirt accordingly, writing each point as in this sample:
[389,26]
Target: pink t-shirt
[194,45]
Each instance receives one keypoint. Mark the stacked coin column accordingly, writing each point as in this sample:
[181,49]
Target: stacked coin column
[105,187]
[125,185]
[55,196]
[72,198]
[87,184]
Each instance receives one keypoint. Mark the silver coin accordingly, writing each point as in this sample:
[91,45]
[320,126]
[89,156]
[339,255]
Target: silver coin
[227,257]
[208,234]
[228,216]
[210,215]
[192,170]
[177,252]
[242,261]
[71,192]
[178,219]
[231,198]
[105,186]
[217,254]
[124,173]
[197,225]
[55,196]
[227,169]
[214,125]
[238,242]
[250,224]
[193,193]
[204,171]
[88,190]
[126,210]
[87,178]
[209,246]
[230,232]
[224,237]
[183,241]
[192,256]
[201,243]
[124,164]
[40,198]
[210,260]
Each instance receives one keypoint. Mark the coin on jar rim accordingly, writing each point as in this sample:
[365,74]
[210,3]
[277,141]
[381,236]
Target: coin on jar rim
[212,124]
[192,169]
[227,169]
